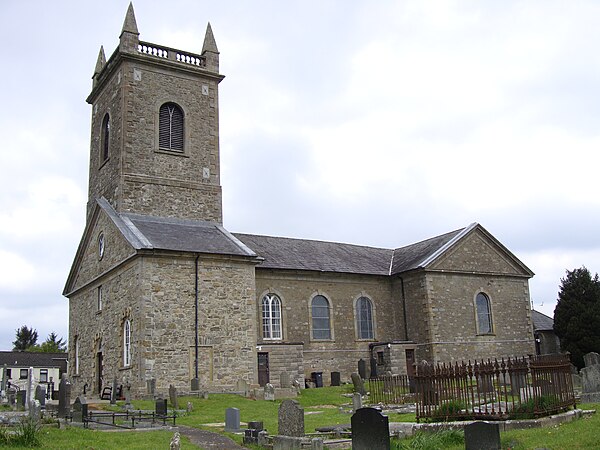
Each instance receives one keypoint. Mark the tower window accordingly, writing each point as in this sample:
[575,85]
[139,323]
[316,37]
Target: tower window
[105,137]
[170,128]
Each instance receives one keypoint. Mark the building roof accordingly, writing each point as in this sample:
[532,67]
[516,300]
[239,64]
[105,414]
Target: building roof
[541,322]
[33,359]
[166,233]
[303,254]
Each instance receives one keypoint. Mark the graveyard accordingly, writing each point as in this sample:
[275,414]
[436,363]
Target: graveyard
[314,418]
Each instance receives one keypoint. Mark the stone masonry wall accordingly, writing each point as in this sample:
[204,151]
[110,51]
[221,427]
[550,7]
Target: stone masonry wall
[166,183]
[227,328]
[285,358]
[342,352]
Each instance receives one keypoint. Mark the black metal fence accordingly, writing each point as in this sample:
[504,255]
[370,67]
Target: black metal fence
[494,390]
[391,390]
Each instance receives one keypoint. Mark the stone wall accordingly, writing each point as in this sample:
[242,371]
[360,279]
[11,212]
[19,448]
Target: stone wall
[284,359]
[342,352]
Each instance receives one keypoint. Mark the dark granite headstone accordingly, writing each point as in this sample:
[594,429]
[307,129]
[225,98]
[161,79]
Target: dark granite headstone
[359,385]
[80,409]
[160,407]
[335,379]
[370,430]
[482,436]
[40,395]
[232,420]
[362,368]
[373,363]
[21,399]
[291,419]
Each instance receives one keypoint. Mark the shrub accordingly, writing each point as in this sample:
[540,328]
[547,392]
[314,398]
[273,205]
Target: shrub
[528,410]
[447,411]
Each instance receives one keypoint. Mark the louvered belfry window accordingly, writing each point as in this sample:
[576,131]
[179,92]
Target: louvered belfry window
[170,127]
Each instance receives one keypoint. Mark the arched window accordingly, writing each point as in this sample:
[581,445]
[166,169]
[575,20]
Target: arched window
[364,318]
[170,128]
[484,314]
[321,327]
[127,343]
[105,137]
[271,316]
[76,345]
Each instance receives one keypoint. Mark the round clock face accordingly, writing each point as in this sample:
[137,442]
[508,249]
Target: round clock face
[101,245]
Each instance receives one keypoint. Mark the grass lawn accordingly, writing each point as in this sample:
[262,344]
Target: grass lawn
[323,407]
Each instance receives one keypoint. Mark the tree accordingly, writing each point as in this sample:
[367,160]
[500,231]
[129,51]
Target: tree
[577,314]
[51,345]
[26,337]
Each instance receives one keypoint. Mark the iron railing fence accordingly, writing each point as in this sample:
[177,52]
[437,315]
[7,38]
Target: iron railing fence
[391,390]
[494,390]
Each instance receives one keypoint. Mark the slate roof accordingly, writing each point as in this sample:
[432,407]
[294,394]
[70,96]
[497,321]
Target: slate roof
[541,322]
[303,254]
[33,359]
[165,233]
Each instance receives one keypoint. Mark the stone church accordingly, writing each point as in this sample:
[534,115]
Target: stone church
[160,293]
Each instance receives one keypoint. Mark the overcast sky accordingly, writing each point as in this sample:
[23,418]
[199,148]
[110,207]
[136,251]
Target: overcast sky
[378,123]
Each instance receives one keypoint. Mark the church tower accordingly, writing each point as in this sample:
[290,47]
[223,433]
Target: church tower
[155,129]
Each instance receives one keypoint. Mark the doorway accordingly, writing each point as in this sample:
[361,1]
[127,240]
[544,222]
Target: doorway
[263,368]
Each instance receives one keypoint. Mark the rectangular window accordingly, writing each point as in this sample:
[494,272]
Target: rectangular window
[23,374]
[99,298]
[43,375]
[8,374]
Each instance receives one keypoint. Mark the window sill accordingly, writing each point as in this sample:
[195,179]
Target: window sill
[124,368]
[166,151]
[486,334]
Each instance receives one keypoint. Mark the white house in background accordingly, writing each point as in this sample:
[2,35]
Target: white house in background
[47,367]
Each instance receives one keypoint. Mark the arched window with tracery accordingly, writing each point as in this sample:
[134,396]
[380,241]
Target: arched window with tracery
[271,316]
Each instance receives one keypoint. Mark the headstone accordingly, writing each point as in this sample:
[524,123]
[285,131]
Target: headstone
[173,396]
[269,392]
[284,380]
[591,358]
[21,399]
[160,407]
[190,407]
[127,389]
[195,384]
[286,443]
[263,438]
[362,368]
[175,443]
[4,379]
[482,436]
[232,420]
[356,401]
[370,430]
[590,378]
[316,444]
[242,387]
[318,379]
[335,379]
[64,397]
[113,392]
[40,395]
[518,381]
[11,396]
[80,409]
[251,434]
[30,388]
[359,385]
[291,419]
[35,411]
[373,363]
[151,386]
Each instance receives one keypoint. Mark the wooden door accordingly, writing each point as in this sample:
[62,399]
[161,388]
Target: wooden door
[263,368]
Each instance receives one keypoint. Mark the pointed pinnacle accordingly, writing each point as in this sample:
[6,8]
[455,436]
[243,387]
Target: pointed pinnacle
[130,25]
[210,45]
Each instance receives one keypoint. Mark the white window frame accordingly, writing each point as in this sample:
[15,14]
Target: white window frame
[127,343]
[271,317]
